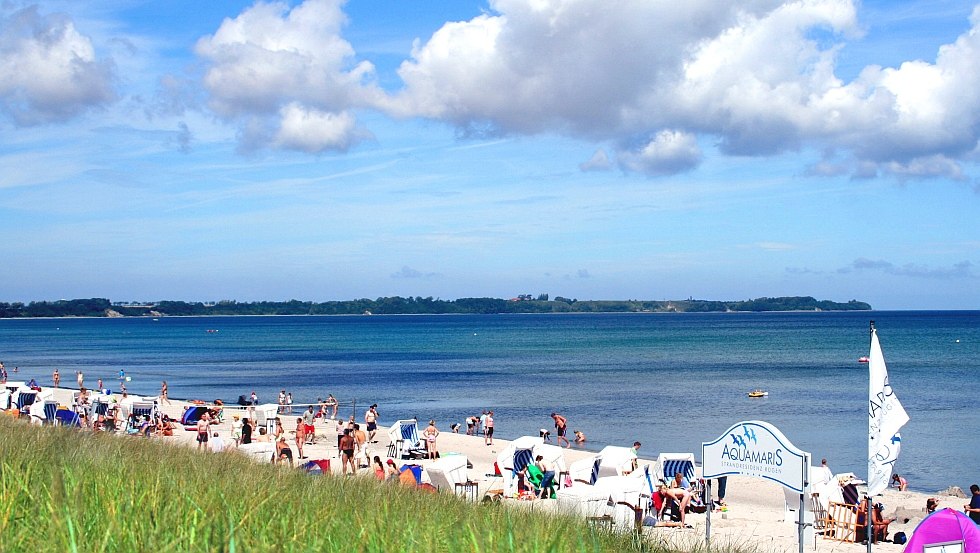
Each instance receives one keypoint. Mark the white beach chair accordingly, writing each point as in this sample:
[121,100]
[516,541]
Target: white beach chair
[616,460]
[259,451]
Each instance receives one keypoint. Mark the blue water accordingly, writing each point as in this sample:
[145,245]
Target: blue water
[668,380]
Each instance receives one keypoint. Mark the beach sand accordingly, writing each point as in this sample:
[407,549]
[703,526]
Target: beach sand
[753,522]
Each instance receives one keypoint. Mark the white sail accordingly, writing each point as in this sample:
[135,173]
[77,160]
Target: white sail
[886,416]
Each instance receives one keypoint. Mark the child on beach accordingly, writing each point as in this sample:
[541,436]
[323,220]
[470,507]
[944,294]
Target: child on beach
[899,482]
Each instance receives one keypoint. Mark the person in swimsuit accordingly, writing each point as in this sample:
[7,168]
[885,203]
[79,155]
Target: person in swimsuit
[488,429]
[561,426]
[371,421]
[379,468]
[347,452]
[203,429]
[431,433]
[283,451]
[300,436]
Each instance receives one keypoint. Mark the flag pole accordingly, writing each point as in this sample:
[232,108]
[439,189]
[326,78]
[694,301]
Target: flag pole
[868,527]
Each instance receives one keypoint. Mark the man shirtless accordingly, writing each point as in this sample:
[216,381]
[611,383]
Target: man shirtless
[561,426]
[346,444]
[371,421]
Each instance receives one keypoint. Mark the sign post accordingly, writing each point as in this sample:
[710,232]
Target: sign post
[760,450]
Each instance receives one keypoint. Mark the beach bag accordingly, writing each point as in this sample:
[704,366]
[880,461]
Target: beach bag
[899,538]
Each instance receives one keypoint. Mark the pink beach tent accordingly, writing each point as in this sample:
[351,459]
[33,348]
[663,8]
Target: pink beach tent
[945,526]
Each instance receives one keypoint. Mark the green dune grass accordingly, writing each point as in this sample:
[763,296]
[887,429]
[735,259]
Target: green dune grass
[65,490]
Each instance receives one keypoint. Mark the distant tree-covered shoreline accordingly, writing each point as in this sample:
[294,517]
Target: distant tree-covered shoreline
[101,307]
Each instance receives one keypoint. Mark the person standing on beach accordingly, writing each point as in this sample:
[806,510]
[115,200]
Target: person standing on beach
[300,436]
[430,434]
[340,434]
[99,385]
[236,430]
[371,421]
[246,431]
[203,429]
[482,423]
[973,508]
[488,428]
[360,439]
[80,378]
[332,403]
[346,445]
[164,390]
[561,426]
[308,418]
[56,377]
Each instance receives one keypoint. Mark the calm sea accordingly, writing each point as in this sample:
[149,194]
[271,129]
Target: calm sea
[668,380]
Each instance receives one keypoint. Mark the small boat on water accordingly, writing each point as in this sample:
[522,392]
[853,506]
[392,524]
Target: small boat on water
[758,393]
[863,359]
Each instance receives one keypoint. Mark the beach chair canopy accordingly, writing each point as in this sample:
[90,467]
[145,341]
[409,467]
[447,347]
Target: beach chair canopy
[627,494]
[192,415]
[67,417]
[50,410]
[945,526]
[23,398]
[671,463]
[587,501]
[616,460]
[4,399]
[405,433]
[259,451]
[448,471]
[266,412]
[585,471]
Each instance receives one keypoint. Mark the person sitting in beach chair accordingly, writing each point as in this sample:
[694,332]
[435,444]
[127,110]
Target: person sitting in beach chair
[879,524]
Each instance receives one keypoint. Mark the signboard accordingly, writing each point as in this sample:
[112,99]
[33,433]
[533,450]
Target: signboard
[756,448]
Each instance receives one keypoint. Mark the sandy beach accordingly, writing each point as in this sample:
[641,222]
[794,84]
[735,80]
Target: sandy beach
[753,520]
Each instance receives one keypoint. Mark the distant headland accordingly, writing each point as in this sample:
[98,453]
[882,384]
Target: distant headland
[525,303]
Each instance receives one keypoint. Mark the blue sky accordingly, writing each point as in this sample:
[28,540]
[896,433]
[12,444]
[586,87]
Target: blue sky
[324,150]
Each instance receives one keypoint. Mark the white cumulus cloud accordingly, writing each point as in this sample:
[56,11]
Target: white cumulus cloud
[287,76]
[757,78]
[49,71]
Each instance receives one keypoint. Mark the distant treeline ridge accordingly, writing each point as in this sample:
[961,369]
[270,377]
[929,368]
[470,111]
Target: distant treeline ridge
[100,307]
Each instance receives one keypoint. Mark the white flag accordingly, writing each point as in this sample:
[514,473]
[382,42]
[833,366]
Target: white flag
[885,417]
